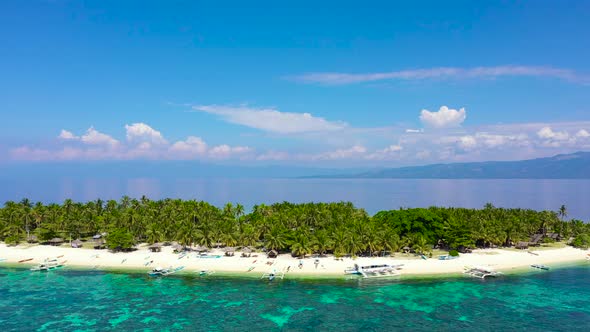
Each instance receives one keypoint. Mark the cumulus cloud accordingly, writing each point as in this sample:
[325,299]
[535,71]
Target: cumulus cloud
[94,137]
[583,133]
[444,118]
[548,133]
[271,120]
[192,146]
[67,135]
[343,153]
[142,142]
[225,151]
[141,132]
[444,73]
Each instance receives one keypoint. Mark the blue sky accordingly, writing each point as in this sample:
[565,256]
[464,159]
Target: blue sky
[338,84]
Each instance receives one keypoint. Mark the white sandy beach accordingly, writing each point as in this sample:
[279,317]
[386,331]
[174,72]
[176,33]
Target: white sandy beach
[142,259]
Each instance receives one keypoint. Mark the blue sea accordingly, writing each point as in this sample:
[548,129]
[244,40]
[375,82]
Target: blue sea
[68,300]
[371,194]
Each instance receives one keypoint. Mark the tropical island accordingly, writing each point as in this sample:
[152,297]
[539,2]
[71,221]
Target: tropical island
[337,233]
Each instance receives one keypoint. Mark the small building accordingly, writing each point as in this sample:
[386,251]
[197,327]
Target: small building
[156,247]
[406,250]
[536,240]
[99,244]
[77,243]
[56,241]
[272,254]
[229,251]
[246,251]
[522,245]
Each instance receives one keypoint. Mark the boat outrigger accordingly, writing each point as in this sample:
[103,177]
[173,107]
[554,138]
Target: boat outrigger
[372,271]
[48,265]
[271,275]
[163,272]
[481,272]
[540,266]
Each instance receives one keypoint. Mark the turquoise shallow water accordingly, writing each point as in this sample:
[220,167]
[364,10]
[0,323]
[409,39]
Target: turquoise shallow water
[67,300]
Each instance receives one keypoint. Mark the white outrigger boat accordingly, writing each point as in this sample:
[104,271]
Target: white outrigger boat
[271,275]
[481,272]
[372,271]
[48,265]
[163,272]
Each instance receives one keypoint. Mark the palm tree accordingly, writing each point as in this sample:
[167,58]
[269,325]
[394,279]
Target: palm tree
[562,212]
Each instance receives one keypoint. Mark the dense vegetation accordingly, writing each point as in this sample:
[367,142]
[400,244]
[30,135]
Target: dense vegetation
[301,229]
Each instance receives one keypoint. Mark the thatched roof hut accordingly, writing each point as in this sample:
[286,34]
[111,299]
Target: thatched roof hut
[99,244]
[536,239]
[77,243]
[406,249]
[201,248]
[56,241]
[156,247]
[177,247]
[522,245]
[229,251]
[272,254]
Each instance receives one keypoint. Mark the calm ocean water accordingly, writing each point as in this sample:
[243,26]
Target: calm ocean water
[371,194]
[66,300]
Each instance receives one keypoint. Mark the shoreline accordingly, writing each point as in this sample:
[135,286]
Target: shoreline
[140,261]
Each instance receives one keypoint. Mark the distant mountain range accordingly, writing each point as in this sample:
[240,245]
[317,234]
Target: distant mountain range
[563,166]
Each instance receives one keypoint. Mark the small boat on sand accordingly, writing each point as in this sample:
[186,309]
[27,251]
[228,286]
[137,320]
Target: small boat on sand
[540,267]
[481,272]
[48,265]
[372,271]
[163,272]
[271,275]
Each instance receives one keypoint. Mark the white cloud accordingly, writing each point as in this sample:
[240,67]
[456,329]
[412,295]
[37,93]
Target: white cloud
[414,131]
[444,118]
[269,119]
[548,133]
[582,133]
[192,146]
[348,153]
[67,135]
[445,73]
[389,152]
[226,151]
[141,132]
[94,137]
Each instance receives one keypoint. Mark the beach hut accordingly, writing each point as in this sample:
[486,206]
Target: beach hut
[522,245]
[56,241]
[201,248]
[272,254]
[406,250]
[246,251]
[76,243]
[229,251]
[156,247]
[99,244]
[177,247]
[536,240]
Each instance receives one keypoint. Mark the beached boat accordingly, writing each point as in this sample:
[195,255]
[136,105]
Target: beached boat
[48,265]
[447,257]
[481,272]
[540,266]
[204,273]
[162,272]
[372,271]
[272,275]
